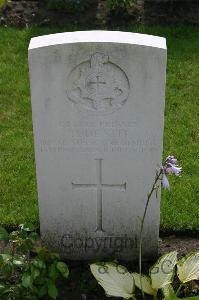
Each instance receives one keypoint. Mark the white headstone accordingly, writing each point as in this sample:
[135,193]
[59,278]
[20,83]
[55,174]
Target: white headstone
[98,111]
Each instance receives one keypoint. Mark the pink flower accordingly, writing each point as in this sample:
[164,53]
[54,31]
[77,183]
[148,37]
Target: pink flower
[173,169]
[171,159]
[170,167]
[165,182]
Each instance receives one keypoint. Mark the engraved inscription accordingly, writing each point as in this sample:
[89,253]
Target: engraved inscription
[99,186]
[98,85]
[100,137]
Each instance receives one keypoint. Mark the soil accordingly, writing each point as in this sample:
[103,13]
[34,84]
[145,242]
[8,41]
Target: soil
[183,245]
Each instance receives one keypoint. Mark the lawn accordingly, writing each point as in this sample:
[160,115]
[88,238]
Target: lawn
[18,196]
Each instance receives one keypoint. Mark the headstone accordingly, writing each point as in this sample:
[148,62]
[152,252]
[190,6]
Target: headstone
[98,111]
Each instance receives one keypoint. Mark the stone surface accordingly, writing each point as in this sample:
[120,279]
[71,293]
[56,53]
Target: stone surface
[98,110]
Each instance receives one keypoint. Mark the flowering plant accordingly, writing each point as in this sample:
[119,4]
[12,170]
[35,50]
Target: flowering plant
[118,282]
[170,166]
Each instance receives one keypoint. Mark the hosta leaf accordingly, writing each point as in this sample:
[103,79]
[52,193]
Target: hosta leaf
[188,268]
[169,293]
[162,272]
[145,284]
[115,279]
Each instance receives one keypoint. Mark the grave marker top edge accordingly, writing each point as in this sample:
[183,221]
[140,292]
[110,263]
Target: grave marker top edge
[96,36]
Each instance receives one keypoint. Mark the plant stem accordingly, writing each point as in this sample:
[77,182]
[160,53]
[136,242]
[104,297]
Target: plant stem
[178,290]
[142,227]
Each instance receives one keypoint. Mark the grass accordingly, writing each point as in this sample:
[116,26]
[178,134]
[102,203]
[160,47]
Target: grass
[18,196]
[2,2]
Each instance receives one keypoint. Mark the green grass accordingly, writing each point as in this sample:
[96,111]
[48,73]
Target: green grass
[18,196]
[2,2]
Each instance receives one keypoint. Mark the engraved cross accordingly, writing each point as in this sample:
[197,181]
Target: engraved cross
[99,186]
[98,82]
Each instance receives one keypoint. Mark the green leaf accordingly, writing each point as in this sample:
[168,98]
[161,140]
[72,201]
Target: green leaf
[145,284]
[35,272]
[5,257]
[26,245]
[115,279]
[27,280]
[27,227]
[163,271]
[63,269]
[30,297]
[54,255]
[53,273]
[7,269]
[4,236]
[188,268]
[38,263]
[42,291]
[18,261]
[52,290]
[34,236]
[15,292]
[2,286]
[191,298]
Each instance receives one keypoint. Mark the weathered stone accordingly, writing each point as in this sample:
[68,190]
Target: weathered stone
[98,110]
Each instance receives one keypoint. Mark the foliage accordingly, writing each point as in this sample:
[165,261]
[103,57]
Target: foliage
[161,274]
[120,4]
[67,5]
[118,282]
[28,271]
[2,2]
[80,5]
[115,279]
[188,268]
